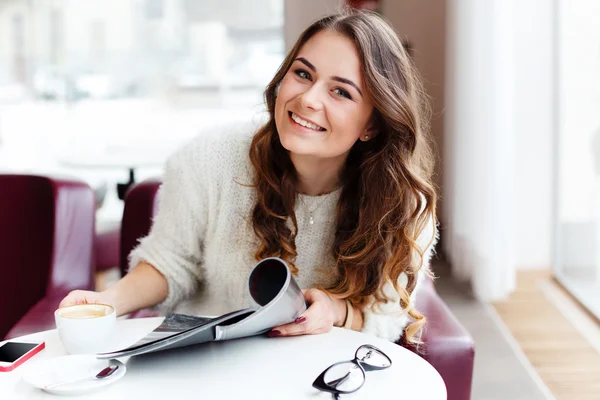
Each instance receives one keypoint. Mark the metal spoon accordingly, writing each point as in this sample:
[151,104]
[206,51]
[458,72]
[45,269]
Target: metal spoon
[105,373]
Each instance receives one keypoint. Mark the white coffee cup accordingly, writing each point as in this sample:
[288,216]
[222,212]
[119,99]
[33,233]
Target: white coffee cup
[86,328]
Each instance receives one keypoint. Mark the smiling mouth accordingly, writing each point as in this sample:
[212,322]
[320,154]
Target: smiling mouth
[306,124]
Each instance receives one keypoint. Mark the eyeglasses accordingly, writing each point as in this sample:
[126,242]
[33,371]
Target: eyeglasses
[349,376]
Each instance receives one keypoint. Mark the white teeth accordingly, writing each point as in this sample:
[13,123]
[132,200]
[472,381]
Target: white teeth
[306,123]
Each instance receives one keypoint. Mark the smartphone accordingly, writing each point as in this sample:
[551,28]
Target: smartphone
[13,354]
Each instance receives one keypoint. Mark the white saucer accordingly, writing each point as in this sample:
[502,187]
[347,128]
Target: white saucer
[67,368]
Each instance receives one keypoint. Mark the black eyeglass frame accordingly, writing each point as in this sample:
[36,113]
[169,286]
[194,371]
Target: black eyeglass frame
[320,383]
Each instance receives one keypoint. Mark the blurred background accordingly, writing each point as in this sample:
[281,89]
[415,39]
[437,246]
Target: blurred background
[105,90]
[87,87]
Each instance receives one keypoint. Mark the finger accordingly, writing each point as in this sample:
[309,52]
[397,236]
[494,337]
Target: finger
[77,298]
[304,324]
[304,329]
[308,293]
[64,303]
[88,298]
[299,325]
[290,329]
[68,301]
[312,295]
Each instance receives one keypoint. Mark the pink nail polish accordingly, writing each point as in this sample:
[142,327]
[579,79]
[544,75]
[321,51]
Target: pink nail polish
[300,320]
[274,333]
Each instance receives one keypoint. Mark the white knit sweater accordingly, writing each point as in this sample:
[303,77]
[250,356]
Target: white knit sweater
[203,242]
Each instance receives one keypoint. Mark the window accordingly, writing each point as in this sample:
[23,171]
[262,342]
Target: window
[154,9]
[102,80]
[577,218]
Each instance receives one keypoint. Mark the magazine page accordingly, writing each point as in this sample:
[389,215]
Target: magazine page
[171,326]
[177,330]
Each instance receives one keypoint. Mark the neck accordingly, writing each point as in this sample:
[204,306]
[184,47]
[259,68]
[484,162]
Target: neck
[317,176]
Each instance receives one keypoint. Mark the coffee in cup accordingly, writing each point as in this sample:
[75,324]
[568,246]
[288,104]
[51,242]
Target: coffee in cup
[86,328]
[89,311]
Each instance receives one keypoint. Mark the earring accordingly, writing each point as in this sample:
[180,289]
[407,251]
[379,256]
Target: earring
[366,137]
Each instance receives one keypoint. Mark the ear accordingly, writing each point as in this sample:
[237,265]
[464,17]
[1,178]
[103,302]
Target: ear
[369,133]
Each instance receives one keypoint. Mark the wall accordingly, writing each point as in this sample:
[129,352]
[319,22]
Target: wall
[298,15]
[479,146]
[423,24]
[533,119]
[9,71]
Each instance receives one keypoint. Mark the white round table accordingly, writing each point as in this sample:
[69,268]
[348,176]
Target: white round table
[251,368]
[124,158]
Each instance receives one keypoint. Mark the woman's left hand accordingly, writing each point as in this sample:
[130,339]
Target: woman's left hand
[323,313]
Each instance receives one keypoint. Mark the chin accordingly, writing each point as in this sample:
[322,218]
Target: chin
[290,143]
[297,145]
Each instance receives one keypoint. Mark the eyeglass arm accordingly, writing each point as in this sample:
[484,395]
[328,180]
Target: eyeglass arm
[336,382]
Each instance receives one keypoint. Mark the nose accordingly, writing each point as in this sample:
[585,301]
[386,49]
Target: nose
[311,98]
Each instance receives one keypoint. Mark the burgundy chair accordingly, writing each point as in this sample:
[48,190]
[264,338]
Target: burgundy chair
[448,346]
[141,204]
[46,248]
[107,245]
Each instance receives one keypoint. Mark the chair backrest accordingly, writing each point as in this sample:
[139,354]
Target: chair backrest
[46,241]
[141,205]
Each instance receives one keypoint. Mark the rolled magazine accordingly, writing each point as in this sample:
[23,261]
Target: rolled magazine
[272,287]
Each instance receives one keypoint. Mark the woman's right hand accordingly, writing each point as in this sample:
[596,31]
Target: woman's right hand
[142,287]
[77,297]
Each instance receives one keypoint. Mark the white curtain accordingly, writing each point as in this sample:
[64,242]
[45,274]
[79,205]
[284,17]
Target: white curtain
[478,156]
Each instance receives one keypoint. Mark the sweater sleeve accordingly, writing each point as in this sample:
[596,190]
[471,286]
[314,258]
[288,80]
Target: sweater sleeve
[388,320]
[174,244]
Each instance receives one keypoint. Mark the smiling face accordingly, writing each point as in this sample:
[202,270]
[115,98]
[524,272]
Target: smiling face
[323,107]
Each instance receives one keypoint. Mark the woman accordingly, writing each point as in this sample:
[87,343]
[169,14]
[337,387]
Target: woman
[337,183]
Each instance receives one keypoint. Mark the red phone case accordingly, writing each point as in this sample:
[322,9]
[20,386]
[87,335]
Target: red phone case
[24,357]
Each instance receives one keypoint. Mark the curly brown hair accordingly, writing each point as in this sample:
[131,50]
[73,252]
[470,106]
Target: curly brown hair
[387,195]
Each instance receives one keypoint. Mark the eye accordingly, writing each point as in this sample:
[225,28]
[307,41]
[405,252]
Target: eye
[303,74]
[342,92]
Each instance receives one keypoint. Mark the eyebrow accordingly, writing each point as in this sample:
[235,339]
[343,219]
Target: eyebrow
[335,78]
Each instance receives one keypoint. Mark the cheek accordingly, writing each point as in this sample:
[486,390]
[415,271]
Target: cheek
[278,106]
[279,111]
[280,101]
[289,89]
[283,95]
[347,122]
